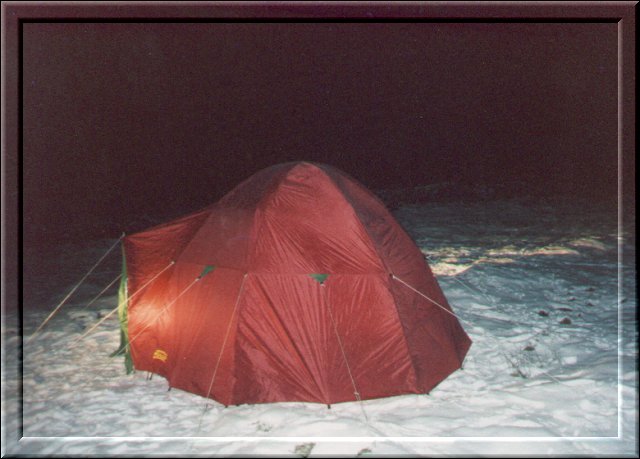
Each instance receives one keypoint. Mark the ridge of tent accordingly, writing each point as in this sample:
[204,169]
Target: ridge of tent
[346,197]
[398,229]
[237,198]
[270,191]
[273,177]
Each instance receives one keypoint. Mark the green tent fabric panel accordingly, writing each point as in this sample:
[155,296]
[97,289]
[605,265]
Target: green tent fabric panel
[207,269]
[122,316]
[319,277]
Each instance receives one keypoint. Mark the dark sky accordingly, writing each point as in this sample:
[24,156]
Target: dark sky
[122,119]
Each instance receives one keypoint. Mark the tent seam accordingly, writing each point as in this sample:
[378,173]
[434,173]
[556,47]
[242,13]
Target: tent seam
[387,270]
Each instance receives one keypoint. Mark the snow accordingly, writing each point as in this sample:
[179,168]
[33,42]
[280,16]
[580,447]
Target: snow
[545,291]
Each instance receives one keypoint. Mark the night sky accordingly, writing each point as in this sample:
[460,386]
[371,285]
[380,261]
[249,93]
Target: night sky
[129,119]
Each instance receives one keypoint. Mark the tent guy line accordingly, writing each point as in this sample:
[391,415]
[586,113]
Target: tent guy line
[57,308]
[226,335]
[356,393]
[478,290]
[104,318]
[121,304]
[95,298]
[206,235]
[123,347]
[173,262]
[188,287]
[224,343]
[109,314]
[471,325]
[207,402]
[281,349]
[295,228]
[393,276]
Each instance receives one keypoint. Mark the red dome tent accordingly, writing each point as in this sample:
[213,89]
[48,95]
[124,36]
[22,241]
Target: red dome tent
[298,285]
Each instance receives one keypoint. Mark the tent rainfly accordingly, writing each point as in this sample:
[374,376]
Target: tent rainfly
[298,285]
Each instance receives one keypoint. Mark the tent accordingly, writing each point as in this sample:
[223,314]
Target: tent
[298,285]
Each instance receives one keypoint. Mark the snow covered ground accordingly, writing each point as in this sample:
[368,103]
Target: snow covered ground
[542,289]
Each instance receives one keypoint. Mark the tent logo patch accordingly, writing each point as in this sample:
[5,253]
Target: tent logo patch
[159,354]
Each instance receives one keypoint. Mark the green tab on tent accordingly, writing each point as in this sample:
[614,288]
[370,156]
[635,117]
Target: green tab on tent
[207,269]
[122,316]
[319,277]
